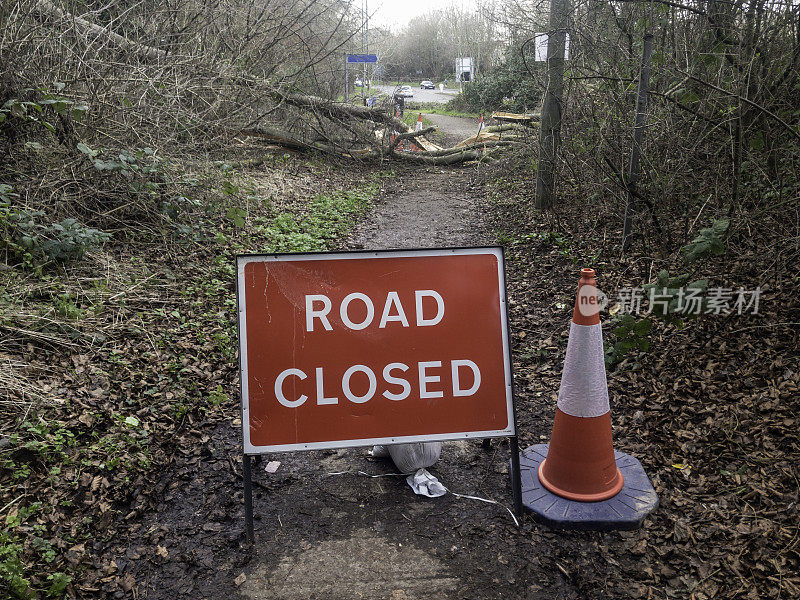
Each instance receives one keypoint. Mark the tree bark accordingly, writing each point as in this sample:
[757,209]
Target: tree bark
[638,137]
[550,132]
[340,110]
[445,156]
[410,135]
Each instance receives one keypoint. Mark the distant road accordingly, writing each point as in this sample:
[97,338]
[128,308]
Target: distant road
[420,95]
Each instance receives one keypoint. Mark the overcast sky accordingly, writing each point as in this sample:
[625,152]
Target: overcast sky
[397,13]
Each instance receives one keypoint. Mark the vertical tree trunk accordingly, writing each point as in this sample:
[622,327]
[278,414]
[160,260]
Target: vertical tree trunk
[638,138]
[550,132]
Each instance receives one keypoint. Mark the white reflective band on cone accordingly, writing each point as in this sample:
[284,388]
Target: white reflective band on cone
[584,392]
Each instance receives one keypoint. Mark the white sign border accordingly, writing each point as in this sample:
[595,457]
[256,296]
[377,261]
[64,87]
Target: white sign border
[244,259]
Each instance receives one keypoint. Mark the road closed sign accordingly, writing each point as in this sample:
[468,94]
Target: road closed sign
[362,348]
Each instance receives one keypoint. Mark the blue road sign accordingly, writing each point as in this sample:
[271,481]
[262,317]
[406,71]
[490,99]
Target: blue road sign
[362,58]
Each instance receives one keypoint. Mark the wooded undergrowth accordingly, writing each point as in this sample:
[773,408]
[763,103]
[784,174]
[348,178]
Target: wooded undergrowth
[721,136]
[127,184]
[124,193]
[707,399]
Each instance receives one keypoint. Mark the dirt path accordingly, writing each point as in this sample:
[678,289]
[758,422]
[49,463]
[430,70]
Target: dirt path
[372,537]
[453,129]
[342,536]
[429,208]
[326,535]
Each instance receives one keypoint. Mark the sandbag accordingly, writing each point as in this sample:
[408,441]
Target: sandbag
[379,452]
[409,458]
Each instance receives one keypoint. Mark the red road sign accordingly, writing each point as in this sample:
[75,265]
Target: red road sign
[362,348]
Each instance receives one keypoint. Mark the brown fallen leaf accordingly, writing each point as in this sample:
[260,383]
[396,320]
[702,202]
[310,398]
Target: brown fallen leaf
[127,582]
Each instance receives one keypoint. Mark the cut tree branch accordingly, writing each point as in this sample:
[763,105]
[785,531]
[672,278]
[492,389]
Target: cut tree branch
[340,110]
[409,135]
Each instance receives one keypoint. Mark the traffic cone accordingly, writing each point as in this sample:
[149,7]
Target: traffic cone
[418,126]
[580,462]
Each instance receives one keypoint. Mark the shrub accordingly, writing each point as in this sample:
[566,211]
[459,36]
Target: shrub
[35,243]
[511,86]
[708,243]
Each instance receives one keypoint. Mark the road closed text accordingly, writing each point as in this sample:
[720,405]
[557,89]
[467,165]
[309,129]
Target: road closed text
[396,380]
[318,306]
[360,384]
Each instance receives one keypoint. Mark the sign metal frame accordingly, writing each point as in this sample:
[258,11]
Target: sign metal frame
[356,59]
[510,431]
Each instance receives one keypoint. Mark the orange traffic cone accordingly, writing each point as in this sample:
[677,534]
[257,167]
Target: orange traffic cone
[418,126]
[580,461]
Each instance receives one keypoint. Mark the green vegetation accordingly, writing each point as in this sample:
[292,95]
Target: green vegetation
[12,568]
[708,243]
[509,87]
[329,217]
[39,107]
[441,109]
[36,244]
[672,299]
[160,326]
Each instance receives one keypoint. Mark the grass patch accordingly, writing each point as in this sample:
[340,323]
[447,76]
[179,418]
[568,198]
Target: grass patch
[410,118]
[440,109]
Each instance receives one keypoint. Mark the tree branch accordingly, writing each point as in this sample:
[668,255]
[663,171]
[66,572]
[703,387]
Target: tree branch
[340,110]
[746,101]
[50,9]
[409,135]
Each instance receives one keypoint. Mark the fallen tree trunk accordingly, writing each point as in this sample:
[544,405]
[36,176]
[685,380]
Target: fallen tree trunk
[499,128]
[480,147]
[337,112]
[409,135]
[88,28]
[278,137]
[475,146]
[340,110]
[287,140]
[444,156]
[526,120]
[447,159]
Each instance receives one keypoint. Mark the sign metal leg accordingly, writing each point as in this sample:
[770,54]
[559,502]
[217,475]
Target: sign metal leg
[516,481]
[248,497]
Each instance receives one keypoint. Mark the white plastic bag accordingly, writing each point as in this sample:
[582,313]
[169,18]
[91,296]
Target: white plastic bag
[425,484]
